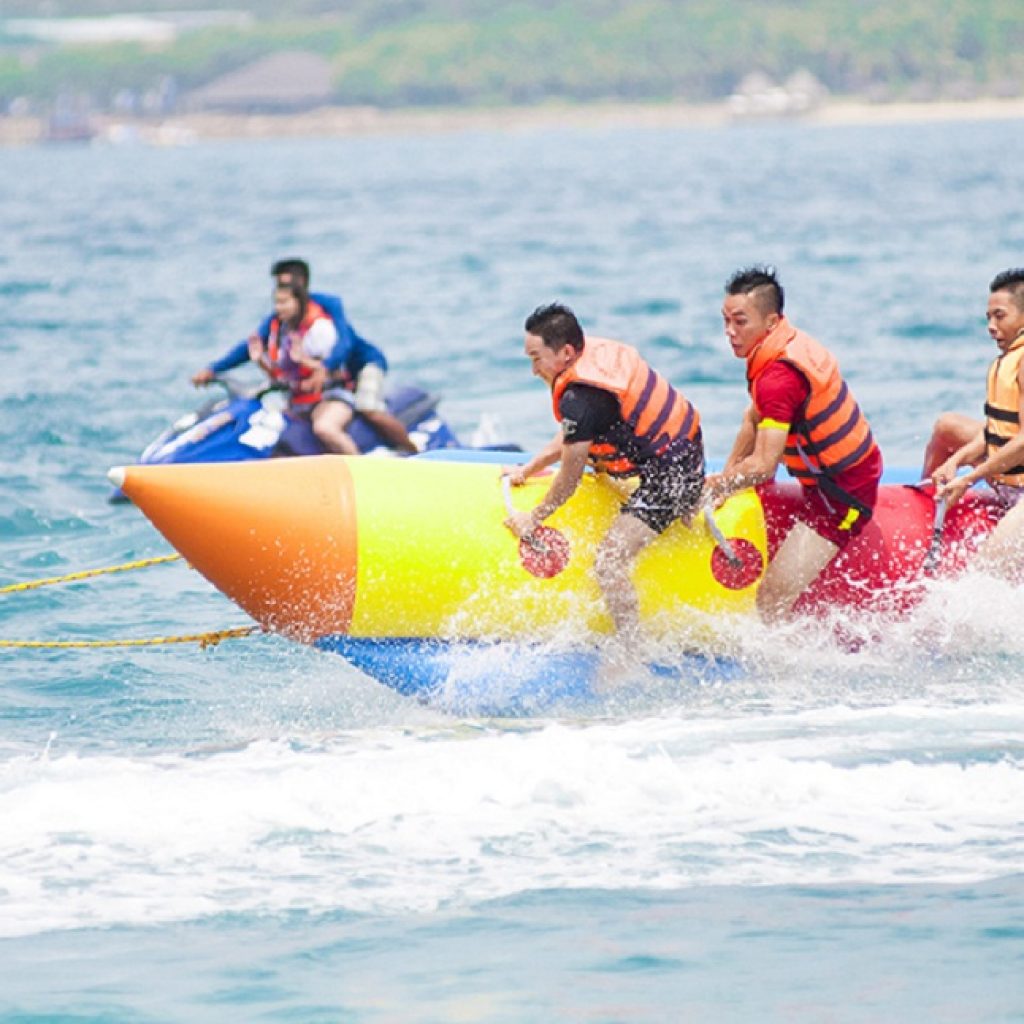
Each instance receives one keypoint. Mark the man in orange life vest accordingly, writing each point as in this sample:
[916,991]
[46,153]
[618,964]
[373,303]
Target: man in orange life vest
[801,414]
[625,419]
[995,446]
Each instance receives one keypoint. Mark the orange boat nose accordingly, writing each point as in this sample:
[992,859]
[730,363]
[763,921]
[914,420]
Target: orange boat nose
[276,536]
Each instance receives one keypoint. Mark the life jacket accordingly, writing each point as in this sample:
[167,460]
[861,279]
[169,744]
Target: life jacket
[282,367]
[654,414]
[830,434]
[1002,408]
[358,352]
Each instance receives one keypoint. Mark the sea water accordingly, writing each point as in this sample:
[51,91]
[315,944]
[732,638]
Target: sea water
[258,832]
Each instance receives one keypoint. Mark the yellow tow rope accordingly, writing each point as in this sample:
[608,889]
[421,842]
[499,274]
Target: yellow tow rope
[87,573]
[210,639]
[203,639]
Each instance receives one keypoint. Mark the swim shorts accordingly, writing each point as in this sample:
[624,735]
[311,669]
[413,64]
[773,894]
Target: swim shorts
[1007,494]
[370,389]
[670,486]
[369,392]
[339,394]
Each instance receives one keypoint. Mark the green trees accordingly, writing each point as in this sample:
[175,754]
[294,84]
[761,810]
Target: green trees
[410,52]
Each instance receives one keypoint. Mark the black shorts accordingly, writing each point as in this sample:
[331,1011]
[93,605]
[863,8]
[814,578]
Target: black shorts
[670,486]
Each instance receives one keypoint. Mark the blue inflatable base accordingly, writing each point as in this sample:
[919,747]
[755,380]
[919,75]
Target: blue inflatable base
[515,679]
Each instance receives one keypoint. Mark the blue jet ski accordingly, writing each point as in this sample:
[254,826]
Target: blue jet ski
[254,423]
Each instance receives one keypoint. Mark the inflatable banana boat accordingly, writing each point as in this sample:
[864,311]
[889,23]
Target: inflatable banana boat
[405,568]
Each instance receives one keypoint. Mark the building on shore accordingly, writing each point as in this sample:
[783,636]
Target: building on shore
[279,83]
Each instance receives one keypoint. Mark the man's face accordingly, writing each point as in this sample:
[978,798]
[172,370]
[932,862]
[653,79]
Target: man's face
[546,362]
[1005,319]
[745,324]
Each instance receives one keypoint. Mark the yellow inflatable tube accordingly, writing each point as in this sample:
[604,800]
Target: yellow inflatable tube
[417,548]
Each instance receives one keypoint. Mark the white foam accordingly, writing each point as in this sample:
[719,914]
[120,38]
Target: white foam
[416,820]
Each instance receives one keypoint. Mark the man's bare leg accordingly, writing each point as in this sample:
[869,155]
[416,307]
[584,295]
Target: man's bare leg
[951,432]
[797,563]
[613,564]
[391,429]
[1002,553]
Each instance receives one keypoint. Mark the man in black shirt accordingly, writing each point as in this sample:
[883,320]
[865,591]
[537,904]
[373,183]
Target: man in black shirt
[624,418]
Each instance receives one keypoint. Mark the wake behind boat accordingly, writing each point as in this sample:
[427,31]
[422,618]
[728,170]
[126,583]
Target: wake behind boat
[404,567]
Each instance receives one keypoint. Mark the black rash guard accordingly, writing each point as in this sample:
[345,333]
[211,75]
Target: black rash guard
[587,412]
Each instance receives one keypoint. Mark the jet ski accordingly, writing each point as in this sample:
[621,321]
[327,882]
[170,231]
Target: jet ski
[246,423]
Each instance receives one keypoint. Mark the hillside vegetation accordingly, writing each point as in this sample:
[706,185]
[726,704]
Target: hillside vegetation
[406,52]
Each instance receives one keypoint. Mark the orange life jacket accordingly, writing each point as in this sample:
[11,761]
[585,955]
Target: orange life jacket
[281,366]
[831,434]
[654,413]
[1002,407]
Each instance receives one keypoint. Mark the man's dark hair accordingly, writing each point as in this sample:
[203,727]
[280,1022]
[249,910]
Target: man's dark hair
[1011,281]
[294,267]
[760,282]
[556,325]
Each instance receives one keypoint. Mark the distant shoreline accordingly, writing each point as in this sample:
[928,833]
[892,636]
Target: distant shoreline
[330,122]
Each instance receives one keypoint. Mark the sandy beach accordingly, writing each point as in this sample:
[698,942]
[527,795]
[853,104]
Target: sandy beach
[347,121]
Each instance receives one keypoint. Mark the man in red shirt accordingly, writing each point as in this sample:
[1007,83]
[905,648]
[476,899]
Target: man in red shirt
[801,414]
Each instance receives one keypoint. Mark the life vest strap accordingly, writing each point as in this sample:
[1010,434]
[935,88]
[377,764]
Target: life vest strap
[1003,415]
[822,478]
[997,442]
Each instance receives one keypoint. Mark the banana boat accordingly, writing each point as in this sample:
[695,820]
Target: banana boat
[406,569]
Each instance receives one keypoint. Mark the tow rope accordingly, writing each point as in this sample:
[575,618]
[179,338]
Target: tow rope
[87,573]
[204,640]
[208,639]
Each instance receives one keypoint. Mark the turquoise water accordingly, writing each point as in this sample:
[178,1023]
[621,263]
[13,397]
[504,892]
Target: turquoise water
[258,832]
